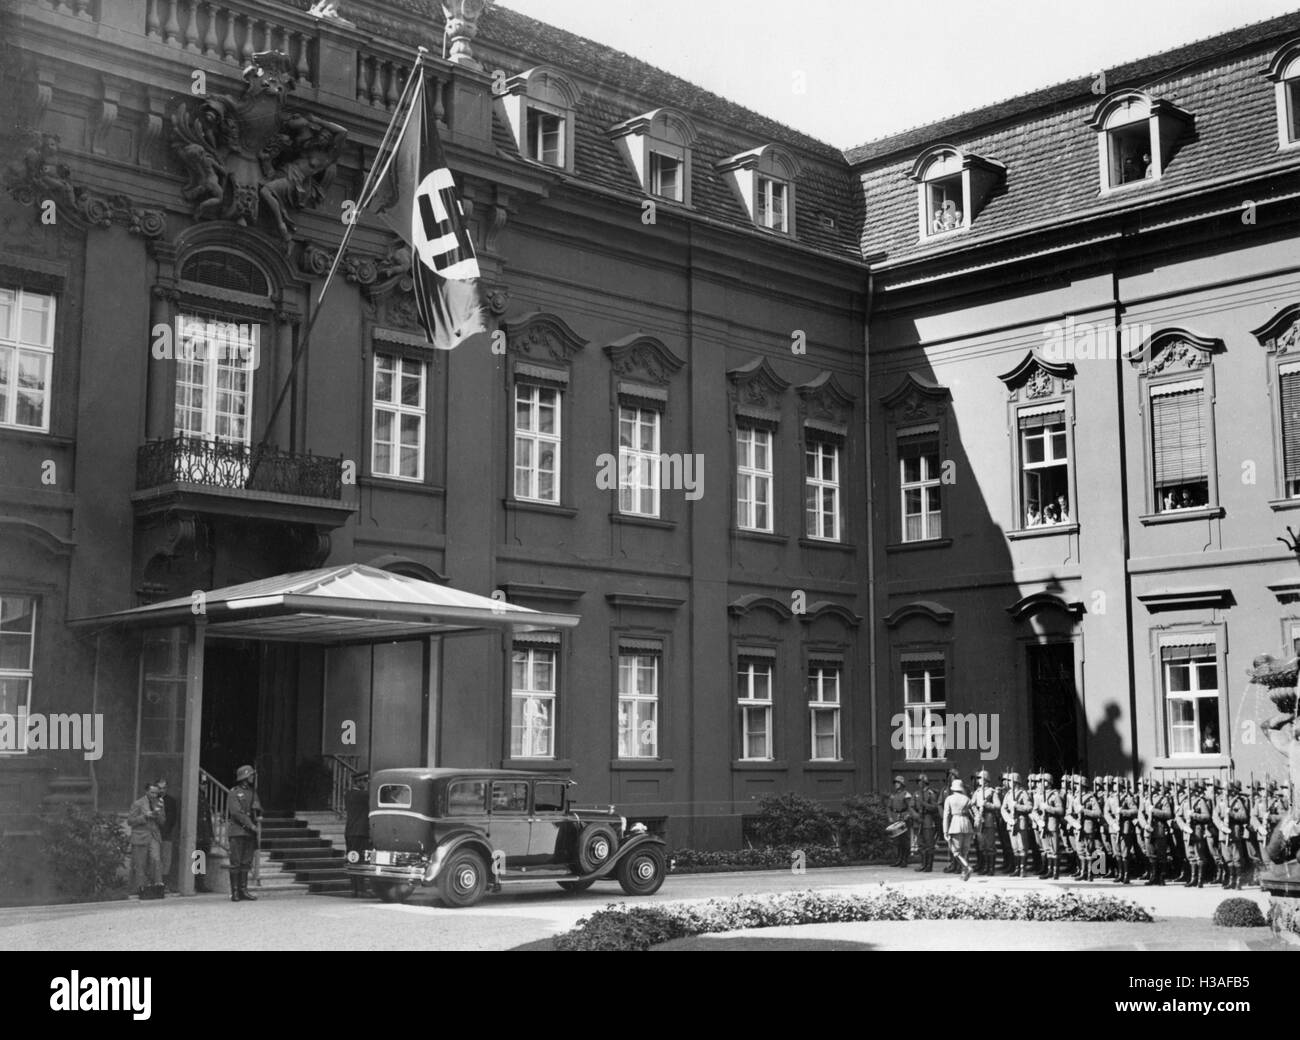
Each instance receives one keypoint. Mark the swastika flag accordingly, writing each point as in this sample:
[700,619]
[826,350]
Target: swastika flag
[416,196]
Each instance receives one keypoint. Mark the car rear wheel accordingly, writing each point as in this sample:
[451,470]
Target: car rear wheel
[596,844]
[463,879]
[576,886]
[393,891]
[643,871]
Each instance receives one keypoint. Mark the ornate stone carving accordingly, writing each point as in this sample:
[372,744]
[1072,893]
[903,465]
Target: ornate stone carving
[643,357]
[915,397]
[1177,354]
[462,26]
[497,298]
[540,335]
[824,400]
[249,157]
[1036,378]
[1039,384]
[757,384]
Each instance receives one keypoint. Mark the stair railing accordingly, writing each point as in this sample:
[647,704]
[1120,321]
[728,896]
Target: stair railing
[342,769]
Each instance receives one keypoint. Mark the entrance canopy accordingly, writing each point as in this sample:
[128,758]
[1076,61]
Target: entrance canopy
[347,604]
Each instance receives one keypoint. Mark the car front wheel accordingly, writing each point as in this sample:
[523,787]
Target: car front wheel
[463,879]
[643,871]
[392,891]
[596,844]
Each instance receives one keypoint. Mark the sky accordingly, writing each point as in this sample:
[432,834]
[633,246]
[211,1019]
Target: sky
[869,68]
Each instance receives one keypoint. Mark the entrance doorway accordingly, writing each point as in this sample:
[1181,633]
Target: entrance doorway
[228,737]
[1054,708]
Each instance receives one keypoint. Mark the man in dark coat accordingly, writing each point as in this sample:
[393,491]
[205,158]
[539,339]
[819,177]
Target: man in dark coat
[356,831]
[243,809]
[145,819]
[170,822]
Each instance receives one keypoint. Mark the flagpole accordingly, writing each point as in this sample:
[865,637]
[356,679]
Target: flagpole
[413,86]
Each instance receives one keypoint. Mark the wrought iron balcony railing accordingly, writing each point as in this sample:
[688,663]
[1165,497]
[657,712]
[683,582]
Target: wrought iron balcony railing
[222,464]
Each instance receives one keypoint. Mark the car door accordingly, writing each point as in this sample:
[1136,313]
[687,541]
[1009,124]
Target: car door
[550,836]
[508,824]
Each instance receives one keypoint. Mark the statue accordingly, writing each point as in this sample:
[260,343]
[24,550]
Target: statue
[1279,678]
[248,154]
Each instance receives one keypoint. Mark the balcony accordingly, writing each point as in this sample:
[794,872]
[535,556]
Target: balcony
[258,482]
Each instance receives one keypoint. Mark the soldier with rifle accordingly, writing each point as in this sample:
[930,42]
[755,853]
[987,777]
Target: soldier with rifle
[1238,829]
[1003,794]
[1128,815]
[987,808]
[925,819]
[1159,812]
[1227,845]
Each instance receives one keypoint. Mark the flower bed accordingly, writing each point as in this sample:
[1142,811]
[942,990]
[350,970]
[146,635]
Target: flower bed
[785,857]
[626,927]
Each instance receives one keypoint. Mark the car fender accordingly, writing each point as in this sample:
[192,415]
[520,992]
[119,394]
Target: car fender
[454,843]
[627,848]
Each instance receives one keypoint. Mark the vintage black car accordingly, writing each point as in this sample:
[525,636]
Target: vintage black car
[469,831]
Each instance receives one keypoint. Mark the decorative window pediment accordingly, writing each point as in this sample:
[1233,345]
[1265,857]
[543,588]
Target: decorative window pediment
[643,357]
[1281,333]
[745,605]
[1034,377]
[542,337]
[1174,350]
[1137,136]
[756,388]
[764,179]
[825,404]
[538,106]
[657,145]
[952,187]
[916,399]
[928,609]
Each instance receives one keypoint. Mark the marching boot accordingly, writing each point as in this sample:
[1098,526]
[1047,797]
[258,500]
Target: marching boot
[1190,881]
[1124,878]
[1056,868]
[1020,869]
[1236,877]
[1200,875]
[234,886]
[243,890]
[1226,871]
[1155,871]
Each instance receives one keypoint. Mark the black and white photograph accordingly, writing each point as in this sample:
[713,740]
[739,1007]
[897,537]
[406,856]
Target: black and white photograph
[574,475]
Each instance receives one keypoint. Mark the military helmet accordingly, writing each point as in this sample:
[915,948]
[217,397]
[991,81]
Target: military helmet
[983,774]
[899,780]
[922,779]
[1011,777]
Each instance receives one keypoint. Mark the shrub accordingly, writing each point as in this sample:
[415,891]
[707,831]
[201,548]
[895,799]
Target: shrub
[698,861]
[862,827]
[626,927]
[792,820]
[86,852]
[1239,913]
[1284,914]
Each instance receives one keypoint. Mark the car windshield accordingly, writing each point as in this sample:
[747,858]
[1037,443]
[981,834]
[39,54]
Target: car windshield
[394,794]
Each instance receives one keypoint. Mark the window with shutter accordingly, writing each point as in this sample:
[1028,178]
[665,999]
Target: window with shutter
[1291,431]
[1179,446]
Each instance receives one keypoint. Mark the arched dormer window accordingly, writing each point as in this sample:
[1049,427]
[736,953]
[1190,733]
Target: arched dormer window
[952,187]
[539,106]
[657,145]
[764,178]
[1284,70]
[1136,137]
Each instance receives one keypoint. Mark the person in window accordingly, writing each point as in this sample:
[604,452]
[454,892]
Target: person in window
[936,224]
[1063,509]
[1050,515]
[1185,500]
[1148,170]
[1035,516]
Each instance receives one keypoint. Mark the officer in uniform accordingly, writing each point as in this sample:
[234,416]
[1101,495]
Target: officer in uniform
[1003,793]
[244,811]
[952,867]
[1020,806]
[925,818]
[1159,813]
[986,806]
[900,809]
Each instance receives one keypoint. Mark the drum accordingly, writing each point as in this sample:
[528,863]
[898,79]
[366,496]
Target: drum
[896,828]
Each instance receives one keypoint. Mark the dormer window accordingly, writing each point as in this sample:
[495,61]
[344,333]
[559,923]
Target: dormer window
[1137,137]
[952,187]
[657,145]
[538,105]
[1284,70]
[764,179]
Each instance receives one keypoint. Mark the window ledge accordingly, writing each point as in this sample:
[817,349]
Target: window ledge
[539,765]
[1042,531]
[847,547]
[918,765]
[1192,762]
[929,543]
[642,521]
[33,436]
[1280,504]
[762,536]
[746,765]
[399,484]
[945,235]
[1144,182]
[1175,515]
[622,765]
[826,765]
[524,505]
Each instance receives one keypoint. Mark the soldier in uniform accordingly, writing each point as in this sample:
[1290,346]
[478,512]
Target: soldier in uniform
[1114,833]
[1053,811]
[1227,860]
[925,818]
[1127,811]
[1021,806]
[1272,820]
[1238,829]
[958,826]
[1213,845]
[986,807]
[1003,793]
[1090,828]
[952,867]
[244,810]
[1200,822]
[1256,833]
[1159,813]
[1074,822]
[900,810]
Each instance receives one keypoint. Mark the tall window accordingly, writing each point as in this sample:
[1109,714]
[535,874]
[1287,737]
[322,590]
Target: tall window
[824,711]
[17,646]
[754,695]
[1290,384]
[532,702]
[545,137]
[822,490]
[1179,445]
[919,479]
[1191,679]
[638,705]
[1045,467]
[753,478]
[397,440]
[925,706]
[771,203]
[666,176]
[214,379]
[537,442]
[638,461]
[26,358]
[162,703]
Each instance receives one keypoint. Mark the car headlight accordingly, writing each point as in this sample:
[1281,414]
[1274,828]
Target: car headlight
[622,824]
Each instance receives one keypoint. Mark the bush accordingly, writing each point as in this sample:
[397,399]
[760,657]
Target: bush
[862,827]
[626,927]
[697,861]
[792,820]
[86,852]
[1239,913]
[1284,914]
